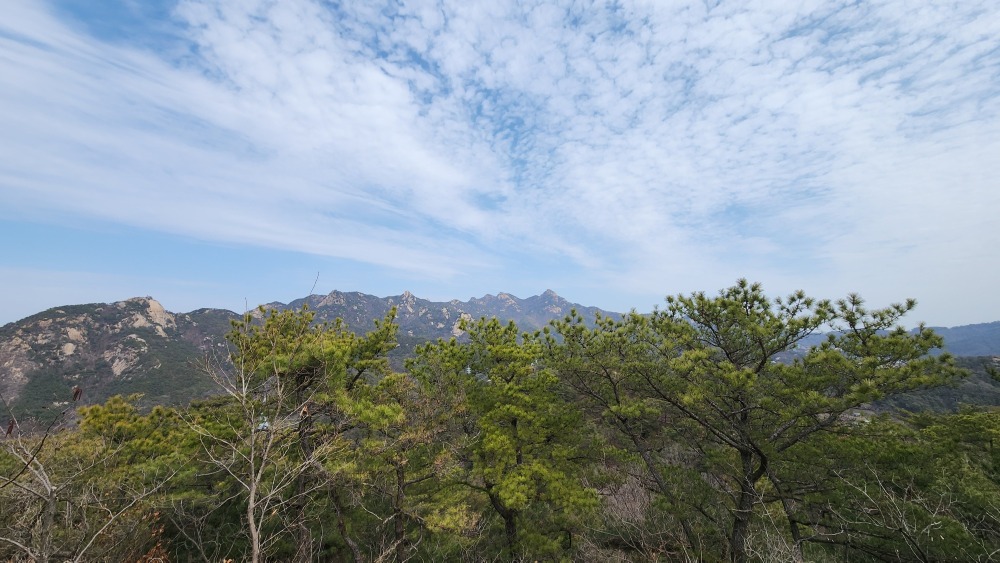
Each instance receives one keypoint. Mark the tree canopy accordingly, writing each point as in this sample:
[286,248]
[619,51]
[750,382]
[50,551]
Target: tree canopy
[705,431]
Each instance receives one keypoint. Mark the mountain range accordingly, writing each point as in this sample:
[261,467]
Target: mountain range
[136,346]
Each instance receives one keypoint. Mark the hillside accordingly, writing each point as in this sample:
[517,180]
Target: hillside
[428,320]
[972,340]
[136,346]
[132,346]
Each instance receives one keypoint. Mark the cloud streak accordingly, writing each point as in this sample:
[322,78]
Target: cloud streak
[836,146]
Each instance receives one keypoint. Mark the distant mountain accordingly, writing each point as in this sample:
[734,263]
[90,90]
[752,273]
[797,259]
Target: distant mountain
[979,389]
[136,346]
[428,320]
[132,346]
[972,340]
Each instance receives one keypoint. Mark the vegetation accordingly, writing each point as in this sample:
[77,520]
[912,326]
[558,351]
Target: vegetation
[689,434]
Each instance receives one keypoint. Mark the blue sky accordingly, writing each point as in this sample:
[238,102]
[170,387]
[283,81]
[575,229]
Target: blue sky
[225,153]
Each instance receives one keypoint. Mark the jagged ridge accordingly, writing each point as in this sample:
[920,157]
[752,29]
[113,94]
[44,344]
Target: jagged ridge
[136,346]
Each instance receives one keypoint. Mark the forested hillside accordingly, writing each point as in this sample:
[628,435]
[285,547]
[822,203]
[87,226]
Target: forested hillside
[136,346]
[673,436]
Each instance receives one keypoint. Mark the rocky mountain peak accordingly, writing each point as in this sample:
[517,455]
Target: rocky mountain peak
[137,345]
[508,301]
[126,345]
[334,298]
[407,303]
[150,313]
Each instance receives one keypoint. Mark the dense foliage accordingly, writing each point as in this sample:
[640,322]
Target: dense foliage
[689,434]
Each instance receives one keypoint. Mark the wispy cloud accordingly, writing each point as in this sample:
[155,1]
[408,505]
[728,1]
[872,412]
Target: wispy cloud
[832,146]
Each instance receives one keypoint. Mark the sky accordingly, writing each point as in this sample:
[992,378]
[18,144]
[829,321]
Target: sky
[226,153]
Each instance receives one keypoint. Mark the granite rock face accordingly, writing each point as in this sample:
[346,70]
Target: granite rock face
[131,346]
[137,346]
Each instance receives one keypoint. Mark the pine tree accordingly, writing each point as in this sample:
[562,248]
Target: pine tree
[720,373]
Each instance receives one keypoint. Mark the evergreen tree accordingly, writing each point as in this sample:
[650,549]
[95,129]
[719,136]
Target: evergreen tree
[718,371]
[521,440]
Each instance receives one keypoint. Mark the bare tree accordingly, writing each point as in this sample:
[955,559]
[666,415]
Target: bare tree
[254,439]
[55,503]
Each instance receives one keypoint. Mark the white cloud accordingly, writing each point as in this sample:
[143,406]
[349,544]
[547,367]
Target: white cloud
[653,143]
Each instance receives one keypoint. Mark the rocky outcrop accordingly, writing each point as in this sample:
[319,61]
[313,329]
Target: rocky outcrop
[137,345]
[428,320]
[134,345]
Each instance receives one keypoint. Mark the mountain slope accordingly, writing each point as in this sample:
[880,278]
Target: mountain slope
[132,346]
[135,346]
[972,340]
[428,320]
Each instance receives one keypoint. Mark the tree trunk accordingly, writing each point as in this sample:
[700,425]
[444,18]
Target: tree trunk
[692,538]
[47,524]
[342,528]
[400,523]
[741,524]
[509,520]
[510,530]
[793,527]
[252,523]
[303,536]
[743,513]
